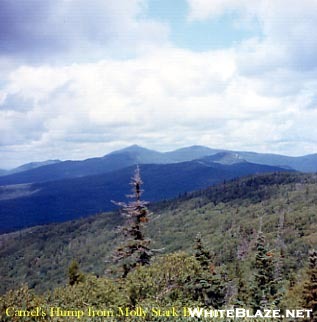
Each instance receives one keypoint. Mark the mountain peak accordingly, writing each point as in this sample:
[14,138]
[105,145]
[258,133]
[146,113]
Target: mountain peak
[132,148]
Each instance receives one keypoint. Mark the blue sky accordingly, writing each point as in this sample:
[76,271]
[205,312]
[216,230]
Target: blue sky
[81,80]
[200,35]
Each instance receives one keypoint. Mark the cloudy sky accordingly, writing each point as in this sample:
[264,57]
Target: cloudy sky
[82,78]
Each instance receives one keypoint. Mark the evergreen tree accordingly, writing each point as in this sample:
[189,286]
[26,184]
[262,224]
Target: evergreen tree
[207,286]
[310,286]
[74,274]
[135,249]
[278,287]
[263,290]
[266,285]
[202,255]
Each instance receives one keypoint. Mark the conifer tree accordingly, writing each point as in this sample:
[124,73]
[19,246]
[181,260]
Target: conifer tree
[207,286]
[278,287]
[74,274]
[202,255]
[263,288]
[135,249]
[310,286]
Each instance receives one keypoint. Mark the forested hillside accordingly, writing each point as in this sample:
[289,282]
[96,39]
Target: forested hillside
[232,209]
[235,223]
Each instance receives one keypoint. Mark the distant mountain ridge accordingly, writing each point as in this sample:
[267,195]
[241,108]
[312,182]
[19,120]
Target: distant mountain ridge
[28,166]
[306,163]
[25,205]
[56,191]
[132,155]
[111,162]
[33,165]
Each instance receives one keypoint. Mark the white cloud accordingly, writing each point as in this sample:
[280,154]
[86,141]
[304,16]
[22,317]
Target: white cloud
[55,30]
[259,95]
[287,30]
[163,99]
[204,9]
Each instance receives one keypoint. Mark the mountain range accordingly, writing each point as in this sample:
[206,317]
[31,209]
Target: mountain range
[113,161]
[55,169]
[27,166]
[56,191]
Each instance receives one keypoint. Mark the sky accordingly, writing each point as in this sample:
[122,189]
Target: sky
[80,79]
